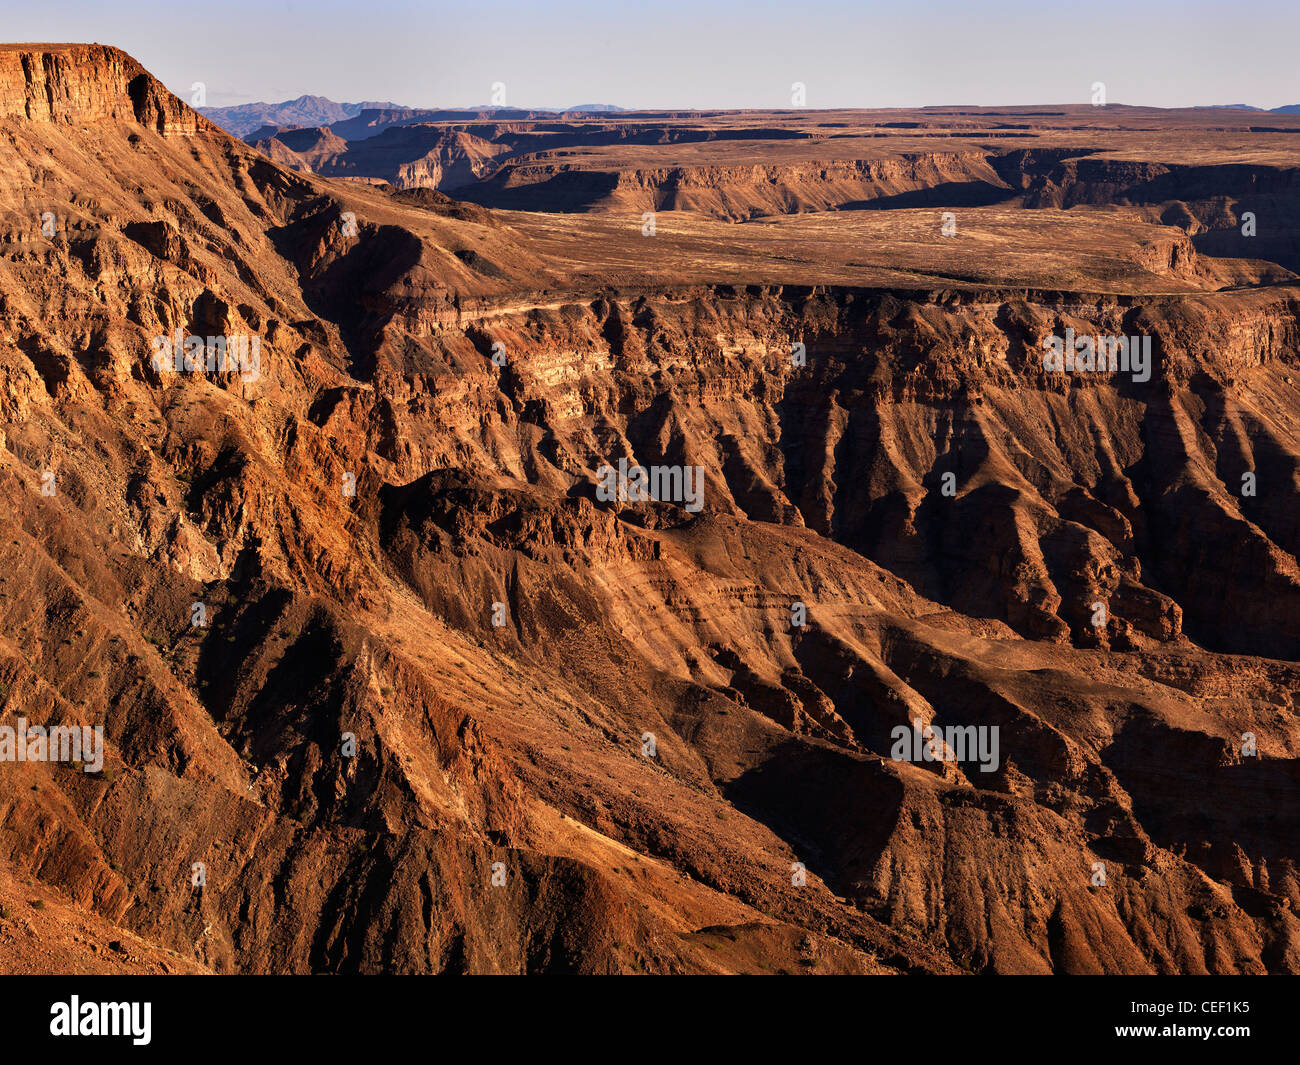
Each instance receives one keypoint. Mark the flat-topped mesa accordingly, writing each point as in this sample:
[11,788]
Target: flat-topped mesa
[71,83]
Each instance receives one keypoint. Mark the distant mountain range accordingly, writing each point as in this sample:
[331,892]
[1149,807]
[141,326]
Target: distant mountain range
[1289,109]
[264,118]
[322,111]
[304,111]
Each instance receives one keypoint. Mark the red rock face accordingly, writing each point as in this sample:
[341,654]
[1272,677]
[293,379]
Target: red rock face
[86,83]
[388,683]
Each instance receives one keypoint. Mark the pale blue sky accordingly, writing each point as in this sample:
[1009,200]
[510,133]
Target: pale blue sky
[696,53]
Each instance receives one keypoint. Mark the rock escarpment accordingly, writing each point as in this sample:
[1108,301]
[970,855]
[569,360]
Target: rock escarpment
[86,83]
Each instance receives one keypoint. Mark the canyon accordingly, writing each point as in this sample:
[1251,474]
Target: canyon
[447,707]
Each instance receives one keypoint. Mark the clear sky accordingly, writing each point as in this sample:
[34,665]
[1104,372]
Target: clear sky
[696,53]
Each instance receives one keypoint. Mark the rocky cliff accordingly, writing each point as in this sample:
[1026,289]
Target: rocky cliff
[78,83]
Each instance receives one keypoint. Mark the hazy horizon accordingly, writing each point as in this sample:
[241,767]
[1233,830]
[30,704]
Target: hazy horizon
[481,106]
[678,56]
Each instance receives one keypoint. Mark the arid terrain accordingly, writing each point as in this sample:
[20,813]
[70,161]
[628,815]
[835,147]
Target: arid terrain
[389,684]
